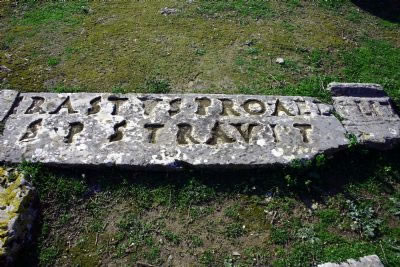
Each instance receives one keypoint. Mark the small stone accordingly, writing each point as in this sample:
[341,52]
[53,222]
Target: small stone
[236,254]
[168,11]
[4,69]
[367,261]
[280,61]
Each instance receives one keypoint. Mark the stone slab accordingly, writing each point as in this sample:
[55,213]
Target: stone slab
[7,99]
[372,119]
[18,211]
[140,131]
[367,261]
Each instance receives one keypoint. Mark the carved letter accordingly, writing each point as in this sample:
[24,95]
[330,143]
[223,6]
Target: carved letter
[274,135]
[149,104]
[118,134]
[153,132]
[218,136]
[32,130]
[202,105]
[184,135]
[74,129]
[117,103]
[254,107]
[95,107]
[227,108]
[280,108]
[35,107]
[245,130]
[65,104]
[304,129]
[175,107]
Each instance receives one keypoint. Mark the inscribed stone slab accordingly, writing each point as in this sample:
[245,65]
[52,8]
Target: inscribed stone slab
[137,130]
[367,113]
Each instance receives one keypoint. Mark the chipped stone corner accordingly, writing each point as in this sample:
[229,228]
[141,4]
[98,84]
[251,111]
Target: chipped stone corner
[367,261]
[7,100]
[17,213]
[367,113]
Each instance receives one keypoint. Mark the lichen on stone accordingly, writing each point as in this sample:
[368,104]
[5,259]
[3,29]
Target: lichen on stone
[17,213]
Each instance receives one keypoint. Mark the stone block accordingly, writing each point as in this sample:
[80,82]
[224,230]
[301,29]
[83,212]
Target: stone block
[369,115]
[367,261]
[168,131]
[17,214]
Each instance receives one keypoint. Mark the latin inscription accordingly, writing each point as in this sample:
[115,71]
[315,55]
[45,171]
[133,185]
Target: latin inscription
[236,121]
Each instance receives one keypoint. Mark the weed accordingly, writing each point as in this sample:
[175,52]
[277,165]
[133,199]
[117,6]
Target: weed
[52,61]
[208,258]
[157,85]
[234,230]
[279,236]
[48,256]
[196,241]
[172,237]
[364,219]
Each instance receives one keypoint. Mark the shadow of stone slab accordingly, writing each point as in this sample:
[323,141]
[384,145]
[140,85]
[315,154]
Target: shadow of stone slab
[385,9]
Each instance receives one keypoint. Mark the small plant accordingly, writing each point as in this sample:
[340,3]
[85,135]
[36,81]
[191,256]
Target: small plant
[207,258]
[364,220]
[307,234]
[200,52]
[157,85]
[395,210]
[172,237]
[234,230]
[53,61]
[279,236]
[353,141]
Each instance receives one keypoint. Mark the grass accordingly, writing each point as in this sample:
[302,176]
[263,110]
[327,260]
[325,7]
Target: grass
[201,218]
[330,209]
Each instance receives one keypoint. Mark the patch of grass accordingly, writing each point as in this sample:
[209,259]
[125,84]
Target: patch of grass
[376,61]
[279,236]
[156,85]
[48,256]
[58,11]
[234,230]
[53,61]
[233,8]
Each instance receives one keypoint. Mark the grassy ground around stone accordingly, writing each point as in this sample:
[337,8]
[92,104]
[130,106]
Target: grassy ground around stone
[330,209]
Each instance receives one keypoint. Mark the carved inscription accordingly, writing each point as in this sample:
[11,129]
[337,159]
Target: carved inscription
[249,120]
[154,130]
[74,129]
[202,105]
[66,104]
[94,106]
[35,107]
[184,135]
[218,136]
[117,101]
[31,131]
[118,134]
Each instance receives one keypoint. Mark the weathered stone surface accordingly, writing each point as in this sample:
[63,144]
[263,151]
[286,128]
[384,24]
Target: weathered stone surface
[7,98]
[367,261]
[17,213]
[367,113]
[168,130]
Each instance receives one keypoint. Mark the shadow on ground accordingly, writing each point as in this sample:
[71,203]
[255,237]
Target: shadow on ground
[385,9]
